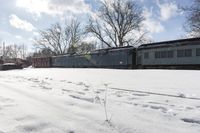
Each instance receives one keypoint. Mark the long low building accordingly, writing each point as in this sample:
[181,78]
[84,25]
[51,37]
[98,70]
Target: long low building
[184,53]
[178,53]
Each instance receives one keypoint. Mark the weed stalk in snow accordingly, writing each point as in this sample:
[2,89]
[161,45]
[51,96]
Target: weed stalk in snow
[105,104]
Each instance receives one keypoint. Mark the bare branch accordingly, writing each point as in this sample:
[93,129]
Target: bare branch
[58,40]
[116,20]
[193,18]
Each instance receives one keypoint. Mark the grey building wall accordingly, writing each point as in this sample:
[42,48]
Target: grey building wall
[112,59]
[169,61]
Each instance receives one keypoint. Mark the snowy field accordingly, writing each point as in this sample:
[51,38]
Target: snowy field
[74,101]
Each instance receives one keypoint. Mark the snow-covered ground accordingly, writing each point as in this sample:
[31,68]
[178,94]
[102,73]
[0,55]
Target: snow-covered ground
[72,101]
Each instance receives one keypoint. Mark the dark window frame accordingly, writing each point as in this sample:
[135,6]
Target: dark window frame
[184,53]
[198,52]
[146,55]
[164,54]
[157,54]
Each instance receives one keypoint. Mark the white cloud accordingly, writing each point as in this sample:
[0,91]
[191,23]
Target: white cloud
[36,34]
[141,0]
[18,37]
[150,24]
[90,39]
[167,10]
[153,26]
[18,23]
[54,7]
[147,13]
[31,39]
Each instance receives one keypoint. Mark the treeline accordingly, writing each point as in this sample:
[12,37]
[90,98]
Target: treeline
[8,51]
[118,23]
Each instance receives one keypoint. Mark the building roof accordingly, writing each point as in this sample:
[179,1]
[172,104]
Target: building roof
[112,49]
[170,43]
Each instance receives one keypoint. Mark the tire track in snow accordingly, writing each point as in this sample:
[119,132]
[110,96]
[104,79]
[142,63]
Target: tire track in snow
[154,93]
[39,100]
[52,109]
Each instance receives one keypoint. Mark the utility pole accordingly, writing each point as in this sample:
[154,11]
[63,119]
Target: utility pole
[23,52]
[3,50]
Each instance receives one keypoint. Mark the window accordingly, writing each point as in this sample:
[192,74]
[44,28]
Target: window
[188,52]
[184,53]
[180,53]
[139,59]
[157,54]
[198,52]
[170,54]
[146,55]
[164,54]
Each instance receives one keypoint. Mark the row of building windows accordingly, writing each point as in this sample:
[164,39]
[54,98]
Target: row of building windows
[170,53]
[164,54]
[184,53]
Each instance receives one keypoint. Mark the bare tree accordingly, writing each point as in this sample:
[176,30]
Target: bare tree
[193,18]
[2,46]
[117,22]
[85,47]
[42,53]
[75,36]
[14,51]
[51,39]
[60,40]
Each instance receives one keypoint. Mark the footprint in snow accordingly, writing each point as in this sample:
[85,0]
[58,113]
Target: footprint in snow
[80,83]
[189,108]
[86,89]
[6,100]
[46,88]
[26,118]
[62,80]
[145,105]
[141,95]
[91,100]
[197,106]
[157,103]
[189,120]
[71,91]
[32,127]
[163,109]
[65,90]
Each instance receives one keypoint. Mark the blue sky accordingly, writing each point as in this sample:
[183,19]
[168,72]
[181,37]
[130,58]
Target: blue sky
[20,20]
